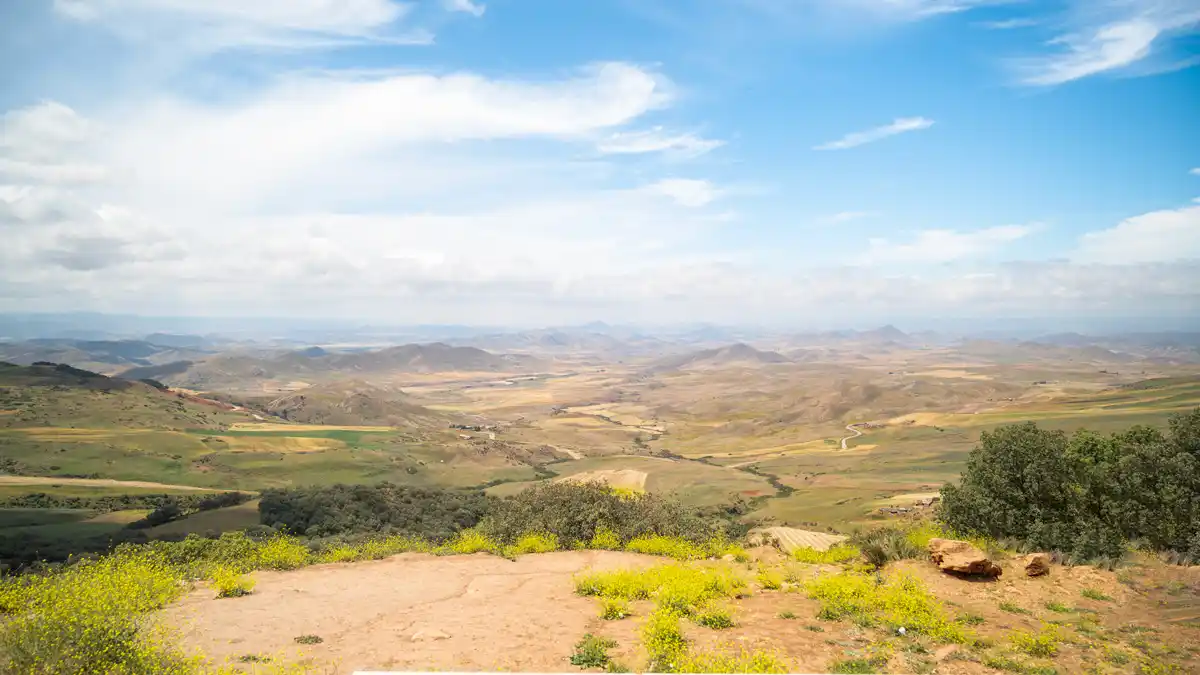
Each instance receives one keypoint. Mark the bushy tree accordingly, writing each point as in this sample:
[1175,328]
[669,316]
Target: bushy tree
[1088,494]
[577,511]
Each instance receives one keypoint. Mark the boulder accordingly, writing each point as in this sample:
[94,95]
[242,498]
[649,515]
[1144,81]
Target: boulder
[1035,564]
[960,557]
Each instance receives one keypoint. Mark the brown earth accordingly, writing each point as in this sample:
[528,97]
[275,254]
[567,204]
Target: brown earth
[484,613]
[410,612]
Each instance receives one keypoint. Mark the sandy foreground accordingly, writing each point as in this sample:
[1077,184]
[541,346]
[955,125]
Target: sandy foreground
[410,612]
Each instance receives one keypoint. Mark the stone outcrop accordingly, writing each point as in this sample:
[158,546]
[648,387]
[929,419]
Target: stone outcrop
[960,557]
[1035,564]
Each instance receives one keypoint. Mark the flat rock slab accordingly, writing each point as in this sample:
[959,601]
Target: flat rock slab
[411,612]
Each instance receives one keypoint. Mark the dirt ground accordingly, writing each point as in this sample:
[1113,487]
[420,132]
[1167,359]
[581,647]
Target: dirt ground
[410,612]
[485,613]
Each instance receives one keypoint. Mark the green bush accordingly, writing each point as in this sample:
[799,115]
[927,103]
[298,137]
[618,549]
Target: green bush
[593,512]
[898,602]
[592,652]
[887,544]
[427,513]
[1087,494]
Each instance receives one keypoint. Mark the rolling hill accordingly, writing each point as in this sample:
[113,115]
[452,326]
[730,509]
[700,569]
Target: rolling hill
[232,371]
[735,354]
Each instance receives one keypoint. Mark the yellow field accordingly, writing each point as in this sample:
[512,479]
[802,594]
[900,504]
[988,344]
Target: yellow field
[119,517]
[68,435]
[272,426]
[96,482]
[282,444]
[617,478]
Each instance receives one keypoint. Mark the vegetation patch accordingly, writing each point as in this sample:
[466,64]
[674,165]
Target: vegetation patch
[1088,495]
[230,584]
[592,652]
[1042,643]
[836,555]
[899,602]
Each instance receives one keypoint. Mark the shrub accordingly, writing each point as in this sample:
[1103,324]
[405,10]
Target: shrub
[612,609]
[534,543]
[898,602]
[282,552]
[91,617]
[230,584]
[743,662]
[770,580]
[376,548]
[717,618]
[664,642]
[592,651]
[887,544]
[1055,606]
[427,513]
[1087,494]
[580,511]
[1043,643]
[309,639]
[340,553]
[1013,608]
[605,540]
[670,547]
[472,541]
[836,555]
[681,589]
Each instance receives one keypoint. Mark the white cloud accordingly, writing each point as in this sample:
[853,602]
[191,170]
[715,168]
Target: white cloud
[221,24]
[941,246]
[656,140]
[1109,35]
[1159,236]
[686,192]
[1195,172]
[898,126]
[1008,24]
[467,6]
[847,216]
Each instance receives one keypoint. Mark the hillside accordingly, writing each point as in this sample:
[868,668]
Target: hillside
[354,403]
[735,354]
[105,356]
[237,370]
[64,396]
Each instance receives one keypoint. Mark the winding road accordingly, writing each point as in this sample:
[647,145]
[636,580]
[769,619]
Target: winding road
[851,428]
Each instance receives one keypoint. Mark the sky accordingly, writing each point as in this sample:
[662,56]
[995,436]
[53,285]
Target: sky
[768,162]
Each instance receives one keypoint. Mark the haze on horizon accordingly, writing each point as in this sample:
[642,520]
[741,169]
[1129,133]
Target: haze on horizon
[830,163]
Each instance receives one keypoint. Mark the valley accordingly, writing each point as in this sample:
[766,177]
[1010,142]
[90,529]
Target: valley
[825,432]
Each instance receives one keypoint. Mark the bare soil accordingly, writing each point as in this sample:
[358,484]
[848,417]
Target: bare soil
[410,612]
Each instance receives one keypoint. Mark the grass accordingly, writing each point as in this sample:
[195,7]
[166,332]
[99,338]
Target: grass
[852,666]
[1013,608]
[93,617]
[1093,594]
[786,614]
[592,652]
[901,601]
[1044,643]
[308,639]
[1055,606]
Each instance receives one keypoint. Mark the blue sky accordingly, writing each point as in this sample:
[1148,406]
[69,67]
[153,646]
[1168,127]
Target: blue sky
[747,161]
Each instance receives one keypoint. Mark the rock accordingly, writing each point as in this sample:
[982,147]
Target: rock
[960,557]
[1035,564]
[429,634]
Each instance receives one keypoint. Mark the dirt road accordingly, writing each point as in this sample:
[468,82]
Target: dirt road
[853,430]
